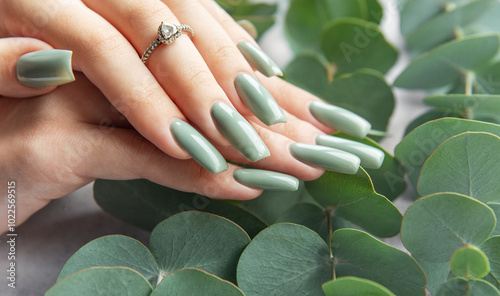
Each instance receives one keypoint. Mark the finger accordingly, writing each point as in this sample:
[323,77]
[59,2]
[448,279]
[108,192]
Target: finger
[108,60]
[30,67]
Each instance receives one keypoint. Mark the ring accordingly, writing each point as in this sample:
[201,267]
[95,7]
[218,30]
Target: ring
[167,33]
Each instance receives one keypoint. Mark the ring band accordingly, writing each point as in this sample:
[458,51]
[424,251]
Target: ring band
[167,33]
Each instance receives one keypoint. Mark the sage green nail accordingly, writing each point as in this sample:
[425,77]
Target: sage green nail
[340,119]
[239,132]
[44,68]
[249,27]
[266,180]
[258,99]
[198,147]
[326,158]
[259,59]
[371,157]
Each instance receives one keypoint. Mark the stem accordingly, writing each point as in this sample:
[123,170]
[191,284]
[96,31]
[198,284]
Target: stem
[329,214]
[469,82]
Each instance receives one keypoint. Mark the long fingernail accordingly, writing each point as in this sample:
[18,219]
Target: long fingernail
[249,27]
[258,99]
[326,158]
[198,147]
[340,119]
[259,59]
[371,157]
[266,180]
[239,132]
[44,68]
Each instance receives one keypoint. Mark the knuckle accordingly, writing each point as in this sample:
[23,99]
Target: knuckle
[224,53]
[199,76]
[100,42]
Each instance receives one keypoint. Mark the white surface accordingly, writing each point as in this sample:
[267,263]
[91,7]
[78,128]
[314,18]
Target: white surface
[52,235]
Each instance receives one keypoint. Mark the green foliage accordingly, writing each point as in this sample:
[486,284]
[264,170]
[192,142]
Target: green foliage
[470,262]
[352,286]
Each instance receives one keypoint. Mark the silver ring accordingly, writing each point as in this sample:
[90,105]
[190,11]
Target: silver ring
[167,33]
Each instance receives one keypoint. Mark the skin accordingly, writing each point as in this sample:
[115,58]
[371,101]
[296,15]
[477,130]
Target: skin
[116,124]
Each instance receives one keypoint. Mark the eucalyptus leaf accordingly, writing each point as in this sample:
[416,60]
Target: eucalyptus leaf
[489,22]
[309,215]
[199,240]
[355,200]
[112,251]
[352,286]
[435,273]
[464,164]
[285,259]
[361,255]
[496,209]
[351,44]
[477,107]
[491,248]
[109,281]
[448,63]
[415,148]
[190,281]
[459,286]
[389,179]
[443,27]
[488,79]
[145,204]
[470,262]
[428,116]
[435,226]
[361,92]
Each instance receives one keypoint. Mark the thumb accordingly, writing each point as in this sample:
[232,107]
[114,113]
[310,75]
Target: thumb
[30,67]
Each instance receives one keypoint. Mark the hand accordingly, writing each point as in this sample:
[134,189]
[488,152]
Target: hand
[185,79]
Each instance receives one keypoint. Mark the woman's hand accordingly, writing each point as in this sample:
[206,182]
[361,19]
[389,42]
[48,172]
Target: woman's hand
[186,80]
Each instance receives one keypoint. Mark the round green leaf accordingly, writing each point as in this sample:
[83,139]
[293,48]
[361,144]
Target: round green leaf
[491,248]
[309,215]
[361,92]
[435,273]
[437,225]
[200,240]
[361,255]
[470,288]
[415,148]
[442,28]
[352,286]
[470,262]
[448,63]
[477,107]
[145,204]
[191,281]
[487,79]
[464,164]
[109,281]
[284,259]
[496,209]
[428,116]
[352,44]
[111,251]
[489,22]
[355,200]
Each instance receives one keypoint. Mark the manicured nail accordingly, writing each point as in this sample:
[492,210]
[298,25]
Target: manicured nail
[258,99]
[326,158]
[239,132]
[198,147]
[340,119]
[44,68]
[249,27]
[259,59]
[266,180]
[371,157]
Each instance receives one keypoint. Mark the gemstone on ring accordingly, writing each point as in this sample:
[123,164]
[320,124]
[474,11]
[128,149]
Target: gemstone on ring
[167,33]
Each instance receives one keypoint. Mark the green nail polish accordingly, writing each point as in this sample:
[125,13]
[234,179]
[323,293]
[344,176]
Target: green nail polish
[198,147]
[266,180]
[258,99]
[326,158]
[249,27]
[44,68]
[239,132]
[341,119]
[259,60]
[371,157]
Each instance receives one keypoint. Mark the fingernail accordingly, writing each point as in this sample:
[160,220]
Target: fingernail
[326,158]
[258,99]
[266,180]
[249,27]
[259,59]
[371,157]
[198,147]
[340,119]
[44,68]
[239,132]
